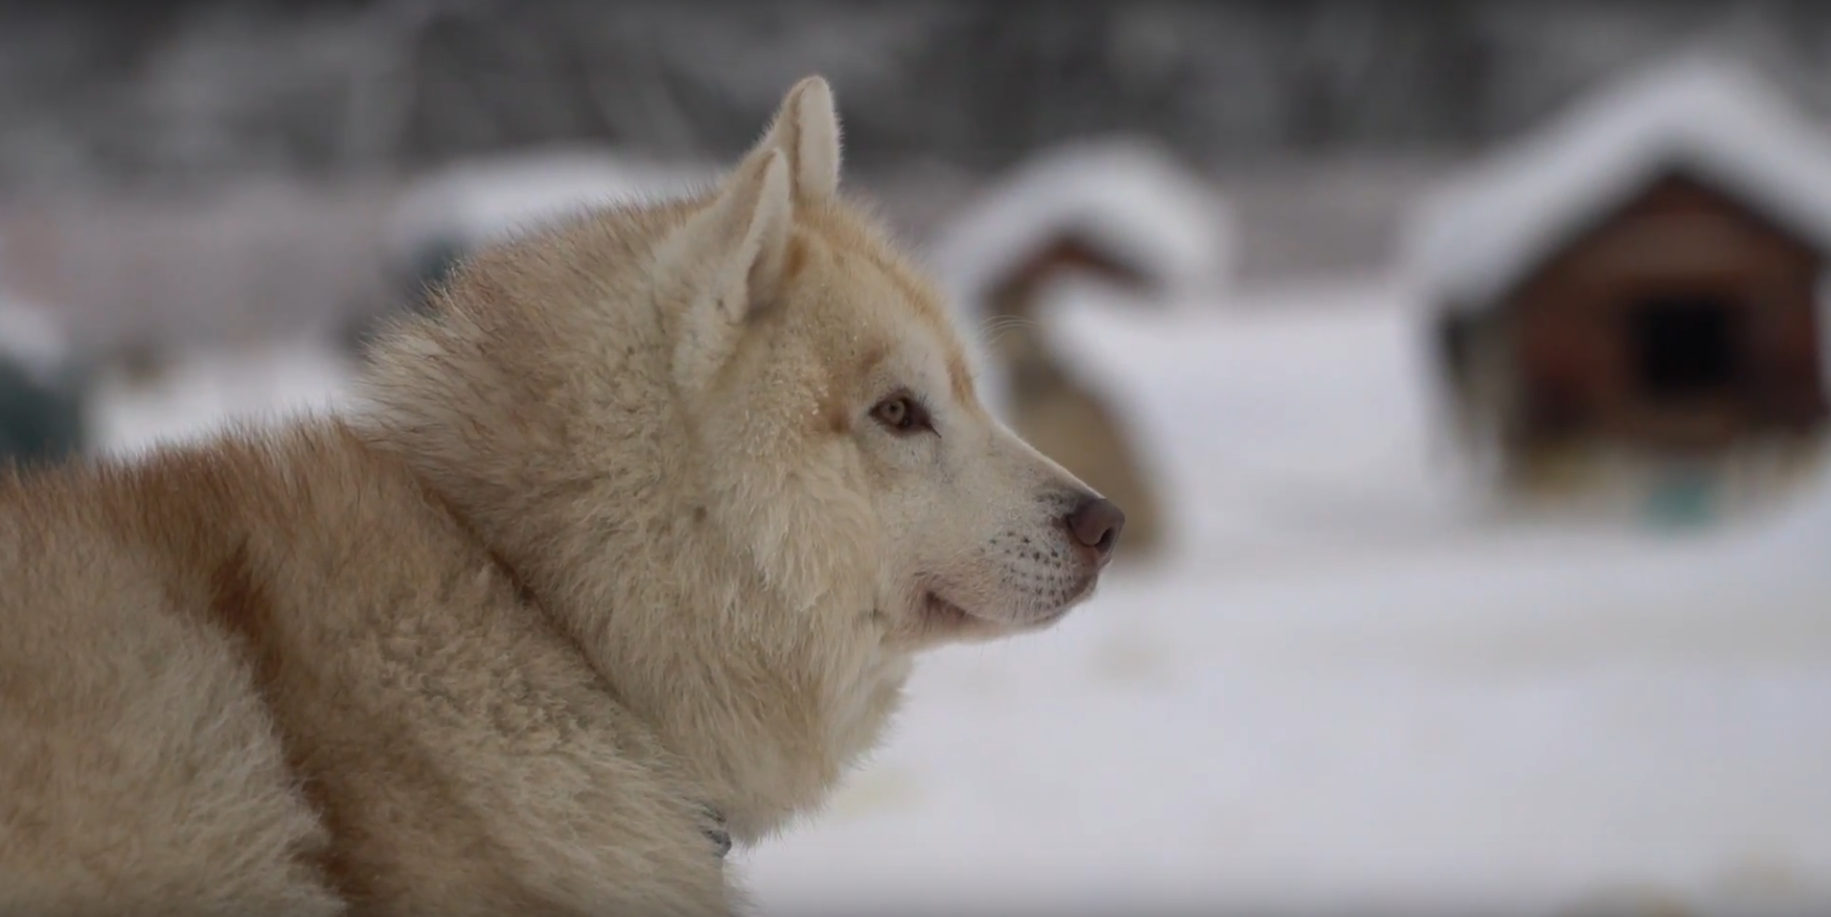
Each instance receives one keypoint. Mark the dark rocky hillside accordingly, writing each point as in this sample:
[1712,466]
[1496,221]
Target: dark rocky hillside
[99,95]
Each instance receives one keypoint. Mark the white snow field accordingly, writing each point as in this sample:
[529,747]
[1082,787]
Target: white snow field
[489,198]
[1345,692]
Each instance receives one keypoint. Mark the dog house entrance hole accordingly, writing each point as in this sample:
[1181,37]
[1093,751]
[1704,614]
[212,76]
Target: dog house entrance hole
[1685,347]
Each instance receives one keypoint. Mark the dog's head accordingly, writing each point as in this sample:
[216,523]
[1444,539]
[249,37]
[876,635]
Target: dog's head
[750,381]
[832,375]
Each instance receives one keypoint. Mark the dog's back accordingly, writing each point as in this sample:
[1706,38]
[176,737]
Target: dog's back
[275,674]
[136,748]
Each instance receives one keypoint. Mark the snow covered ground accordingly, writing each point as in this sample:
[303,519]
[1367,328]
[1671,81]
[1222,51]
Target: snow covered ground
[1344,692]
[198,392]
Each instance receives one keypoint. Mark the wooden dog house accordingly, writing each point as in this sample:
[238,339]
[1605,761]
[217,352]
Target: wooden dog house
[1119,212]
[1640,280]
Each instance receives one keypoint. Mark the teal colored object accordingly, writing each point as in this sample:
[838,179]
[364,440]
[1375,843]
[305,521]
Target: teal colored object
[1683,501]
[39,423]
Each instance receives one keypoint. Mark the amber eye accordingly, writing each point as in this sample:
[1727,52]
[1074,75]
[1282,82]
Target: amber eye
[902,414]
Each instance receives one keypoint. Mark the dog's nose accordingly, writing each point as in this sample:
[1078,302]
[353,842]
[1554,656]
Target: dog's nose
[1096,524]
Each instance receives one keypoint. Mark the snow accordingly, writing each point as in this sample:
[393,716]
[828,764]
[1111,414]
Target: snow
[484,199]
[1479,233]
[202,390]
[1347,690]
[1261,402]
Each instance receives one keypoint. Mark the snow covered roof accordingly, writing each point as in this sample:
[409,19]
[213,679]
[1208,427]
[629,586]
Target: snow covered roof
[491,198]
[1707,116]
[1124,194]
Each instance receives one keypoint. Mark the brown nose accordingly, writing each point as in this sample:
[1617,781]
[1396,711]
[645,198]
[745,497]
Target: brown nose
[1096,524]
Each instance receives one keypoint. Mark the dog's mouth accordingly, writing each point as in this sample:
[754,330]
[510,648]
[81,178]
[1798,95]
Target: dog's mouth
[942,611]
[939,612]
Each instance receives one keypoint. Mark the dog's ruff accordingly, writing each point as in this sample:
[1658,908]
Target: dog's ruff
[623,556]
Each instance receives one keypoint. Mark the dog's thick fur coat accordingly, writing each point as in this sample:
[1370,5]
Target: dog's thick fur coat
[627,550]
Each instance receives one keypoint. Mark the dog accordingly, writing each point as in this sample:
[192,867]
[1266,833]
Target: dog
[621,554]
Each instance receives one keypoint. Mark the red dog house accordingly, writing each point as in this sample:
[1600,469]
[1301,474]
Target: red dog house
[1643,276]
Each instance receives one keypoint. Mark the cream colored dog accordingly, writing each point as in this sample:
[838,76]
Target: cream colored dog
[624,556]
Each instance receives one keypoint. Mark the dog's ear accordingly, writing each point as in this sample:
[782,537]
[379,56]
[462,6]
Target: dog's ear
[806,130]
[727,261]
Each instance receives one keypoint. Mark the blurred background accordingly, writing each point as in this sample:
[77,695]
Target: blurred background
[1461,367]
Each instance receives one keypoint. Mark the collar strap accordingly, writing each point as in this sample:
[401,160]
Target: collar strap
[718,834]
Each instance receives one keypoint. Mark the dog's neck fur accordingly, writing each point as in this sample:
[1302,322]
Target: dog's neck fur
[494,400]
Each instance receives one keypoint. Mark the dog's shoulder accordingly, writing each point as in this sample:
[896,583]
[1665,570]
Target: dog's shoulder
[306,494]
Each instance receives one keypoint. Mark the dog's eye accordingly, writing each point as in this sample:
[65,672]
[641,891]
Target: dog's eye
[902,414]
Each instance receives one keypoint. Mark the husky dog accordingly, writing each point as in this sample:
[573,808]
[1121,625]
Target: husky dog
[622,556]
